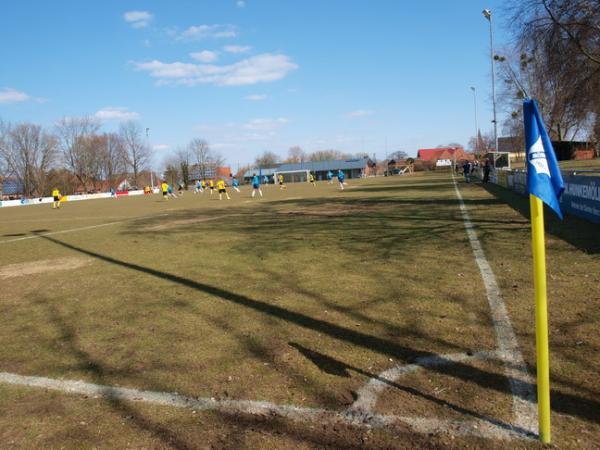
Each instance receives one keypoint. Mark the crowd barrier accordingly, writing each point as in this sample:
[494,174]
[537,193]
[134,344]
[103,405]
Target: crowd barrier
[581,197]
[70,198]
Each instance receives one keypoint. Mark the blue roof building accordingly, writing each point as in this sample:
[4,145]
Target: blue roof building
[352,168]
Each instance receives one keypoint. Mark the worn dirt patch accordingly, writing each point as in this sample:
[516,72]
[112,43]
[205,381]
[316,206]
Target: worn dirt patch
[44,265]
[331,211]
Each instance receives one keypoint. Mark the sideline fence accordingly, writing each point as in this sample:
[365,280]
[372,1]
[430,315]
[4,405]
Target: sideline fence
[581,197]
[69,198]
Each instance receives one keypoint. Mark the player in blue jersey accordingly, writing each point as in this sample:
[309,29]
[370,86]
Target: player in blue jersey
[341,177]
[235,184]
[330,177]
[256,185]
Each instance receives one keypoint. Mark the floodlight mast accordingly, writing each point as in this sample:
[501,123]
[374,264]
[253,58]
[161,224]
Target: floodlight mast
[487,13]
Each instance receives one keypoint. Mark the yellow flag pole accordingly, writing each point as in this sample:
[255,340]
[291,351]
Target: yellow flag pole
[541,316]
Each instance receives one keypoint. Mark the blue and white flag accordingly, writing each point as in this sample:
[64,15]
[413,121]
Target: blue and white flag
[544,179]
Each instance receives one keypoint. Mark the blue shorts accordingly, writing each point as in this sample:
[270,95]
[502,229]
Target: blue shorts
[256,186]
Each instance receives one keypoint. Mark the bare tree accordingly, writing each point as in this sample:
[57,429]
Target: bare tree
[267,159]
[326,155]
[79,154]
[203,157]
[184,159]
[137,153]
[112,158]
[28,153]
[400,154]
[296,155]
[4,168]
[171,172]
[559,61]
[482,143]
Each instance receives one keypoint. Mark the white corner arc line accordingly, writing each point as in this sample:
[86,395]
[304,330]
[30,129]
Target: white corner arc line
[524,406]
[368,394]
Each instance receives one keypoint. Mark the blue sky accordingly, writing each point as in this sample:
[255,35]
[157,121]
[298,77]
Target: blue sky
[254,75]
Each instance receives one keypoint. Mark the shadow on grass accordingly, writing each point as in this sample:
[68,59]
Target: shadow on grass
[562,402]
[578,232]
[334,367]
[99,373]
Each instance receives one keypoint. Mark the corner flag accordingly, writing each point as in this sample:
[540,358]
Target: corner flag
[544,179]
[544,184]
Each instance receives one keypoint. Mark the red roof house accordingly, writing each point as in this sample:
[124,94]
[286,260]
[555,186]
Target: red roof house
[433,154]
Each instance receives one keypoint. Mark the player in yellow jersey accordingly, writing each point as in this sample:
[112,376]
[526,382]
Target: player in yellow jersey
[56,196]
[211,185]
[222,190]
[311,178]
[165,190]
[281,183]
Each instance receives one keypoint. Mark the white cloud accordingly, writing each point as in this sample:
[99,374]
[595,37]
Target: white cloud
[237,48]
[199,32]
[116,113]
[240,3]
[160,147]
[255,97]
[257,69]
[205,56]
[138,19]
[359,113]
[265,124]
[9,95]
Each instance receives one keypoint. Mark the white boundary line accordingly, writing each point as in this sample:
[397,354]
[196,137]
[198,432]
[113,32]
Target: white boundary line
[52,233]
[352,417]
[72,230]
[524,407]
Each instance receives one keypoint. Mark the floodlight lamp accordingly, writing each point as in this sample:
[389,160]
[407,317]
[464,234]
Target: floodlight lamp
[487,14]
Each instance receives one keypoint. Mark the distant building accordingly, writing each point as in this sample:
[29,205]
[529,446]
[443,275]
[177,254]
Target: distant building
[434,154]
[11,189]
[197,172]
[352,168]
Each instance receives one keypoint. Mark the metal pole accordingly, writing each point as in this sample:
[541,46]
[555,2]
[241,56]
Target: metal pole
[151,171]
[493,82]
[476,124]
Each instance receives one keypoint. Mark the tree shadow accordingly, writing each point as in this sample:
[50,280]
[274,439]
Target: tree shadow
[338,368]
[588,409]
[99,373]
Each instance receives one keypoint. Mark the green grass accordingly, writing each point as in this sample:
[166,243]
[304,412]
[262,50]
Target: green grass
[265,300]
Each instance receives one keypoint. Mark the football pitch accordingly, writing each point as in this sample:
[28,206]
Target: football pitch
[397,313]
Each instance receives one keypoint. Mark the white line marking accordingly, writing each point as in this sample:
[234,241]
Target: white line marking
[368,394]
[266,409]
[72,230]
[52,233]
[520,380]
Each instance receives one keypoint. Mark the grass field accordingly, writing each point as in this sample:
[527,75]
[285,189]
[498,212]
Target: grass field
[309,318]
